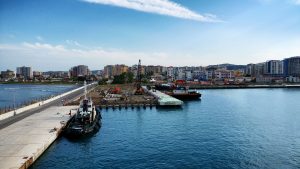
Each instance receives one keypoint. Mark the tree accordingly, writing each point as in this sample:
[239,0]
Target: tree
[102,81]
[130,77]
[123,78]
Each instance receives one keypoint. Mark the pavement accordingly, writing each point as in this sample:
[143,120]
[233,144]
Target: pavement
[22,142]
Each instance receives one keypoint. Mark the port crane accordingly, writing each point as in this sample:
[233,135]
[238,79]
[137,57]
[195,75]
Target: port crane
[139,89]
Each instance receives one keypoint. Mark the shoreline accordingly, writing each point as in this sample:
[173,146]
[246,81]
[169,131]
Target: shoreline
[245,87]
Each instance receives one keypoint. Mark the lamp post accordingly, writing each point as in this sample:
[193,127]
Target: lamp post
[14,94]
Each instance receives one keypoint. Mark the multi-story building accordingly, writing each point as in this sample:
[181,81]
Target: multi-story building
[250,69]
[292,66]
[170,73]
[119,69]
[24,72]
[79,71]
[273,68]
[210,73]
[188,75]
[56,74]
[37,74]
[8,74]
[155,70]
[222,74]
[180,73]
[164,70]
[199,74]
[108,71]
[113,70]
[259,69]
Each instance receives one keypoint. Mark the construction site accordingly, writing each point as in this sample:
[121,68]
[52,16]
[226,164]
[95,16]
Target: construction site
[120,95]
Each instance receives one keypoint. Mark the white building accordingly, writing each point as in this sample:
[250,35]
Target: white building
[171,73]
[224,74]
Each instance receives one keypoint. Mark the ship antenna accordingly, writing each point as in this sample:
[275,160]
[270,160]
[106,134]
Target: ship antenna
[85,90]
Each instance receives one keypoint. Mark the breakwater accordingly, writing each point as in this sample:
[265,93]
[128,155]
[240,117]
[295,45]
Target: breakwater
[37,104]
[15,96]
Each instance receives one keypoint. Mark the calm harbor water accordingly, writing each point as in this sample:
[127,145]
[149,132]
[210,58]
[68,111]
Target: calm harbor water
[240,128]
[26,93]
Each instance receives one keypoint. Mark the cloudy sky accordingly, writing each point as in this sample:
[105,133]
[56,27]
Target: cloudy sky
[57,34]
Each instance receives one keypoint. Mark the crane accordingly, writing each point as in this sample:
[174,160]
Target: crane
[139,89]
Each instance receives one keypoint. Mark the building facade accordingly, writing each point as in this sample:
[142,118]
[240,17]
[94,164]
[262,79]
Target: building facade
[292,66]
[79,71]
[273,68]
[24,72]
[8,74]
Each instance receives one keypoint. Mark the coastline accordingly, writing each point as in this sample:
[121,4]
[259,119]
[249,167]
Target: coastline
[244,86]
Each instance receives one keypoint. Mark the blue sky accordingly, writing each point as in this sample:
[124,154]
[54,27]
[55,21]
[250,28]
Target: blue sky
[56,34]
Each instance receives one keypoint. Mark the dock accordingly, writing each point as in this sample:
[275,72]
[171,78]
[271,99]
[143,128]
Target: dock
[22,143]
[164,99]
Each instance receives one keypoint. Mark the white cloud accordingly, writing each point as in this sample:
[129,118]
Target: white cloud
[42,46]
[73,42]
[297,2]
[44,56]
[162,7]
[39,38]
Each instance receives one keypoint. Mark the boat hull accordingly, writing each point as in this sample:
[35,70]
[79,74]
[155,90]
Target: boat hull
[186,96]
[75,130]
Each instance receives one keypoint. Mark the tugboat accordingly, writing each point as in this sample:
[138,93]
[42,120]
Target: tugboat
[86,121]
[183,93]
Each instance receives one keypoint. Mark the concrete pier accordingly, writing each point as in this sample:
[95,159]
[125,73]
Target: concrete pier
[164,99]
[21,143]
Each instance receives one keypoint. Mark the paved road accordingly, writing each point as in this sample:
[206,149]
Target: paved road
[58,102]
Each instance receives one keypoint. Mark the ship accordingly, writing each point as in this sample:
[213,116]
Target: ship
[184,93]
[86,121]
[165,87]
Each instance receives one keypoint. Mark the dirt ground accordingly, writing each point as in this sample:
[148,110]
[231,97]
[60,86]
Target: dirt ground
[104,95]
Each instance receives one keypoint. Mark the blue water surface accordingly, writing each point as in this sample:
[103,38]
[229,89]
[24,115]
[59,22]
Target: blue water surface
[240,129]
[24,93]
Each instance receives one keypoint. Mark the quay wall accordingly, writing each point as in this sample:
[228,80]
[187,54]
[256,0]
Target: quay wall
[35,105]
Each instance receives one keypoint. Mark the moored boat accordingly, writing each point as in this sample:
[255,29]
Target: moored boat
[86,121]
[184,93]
